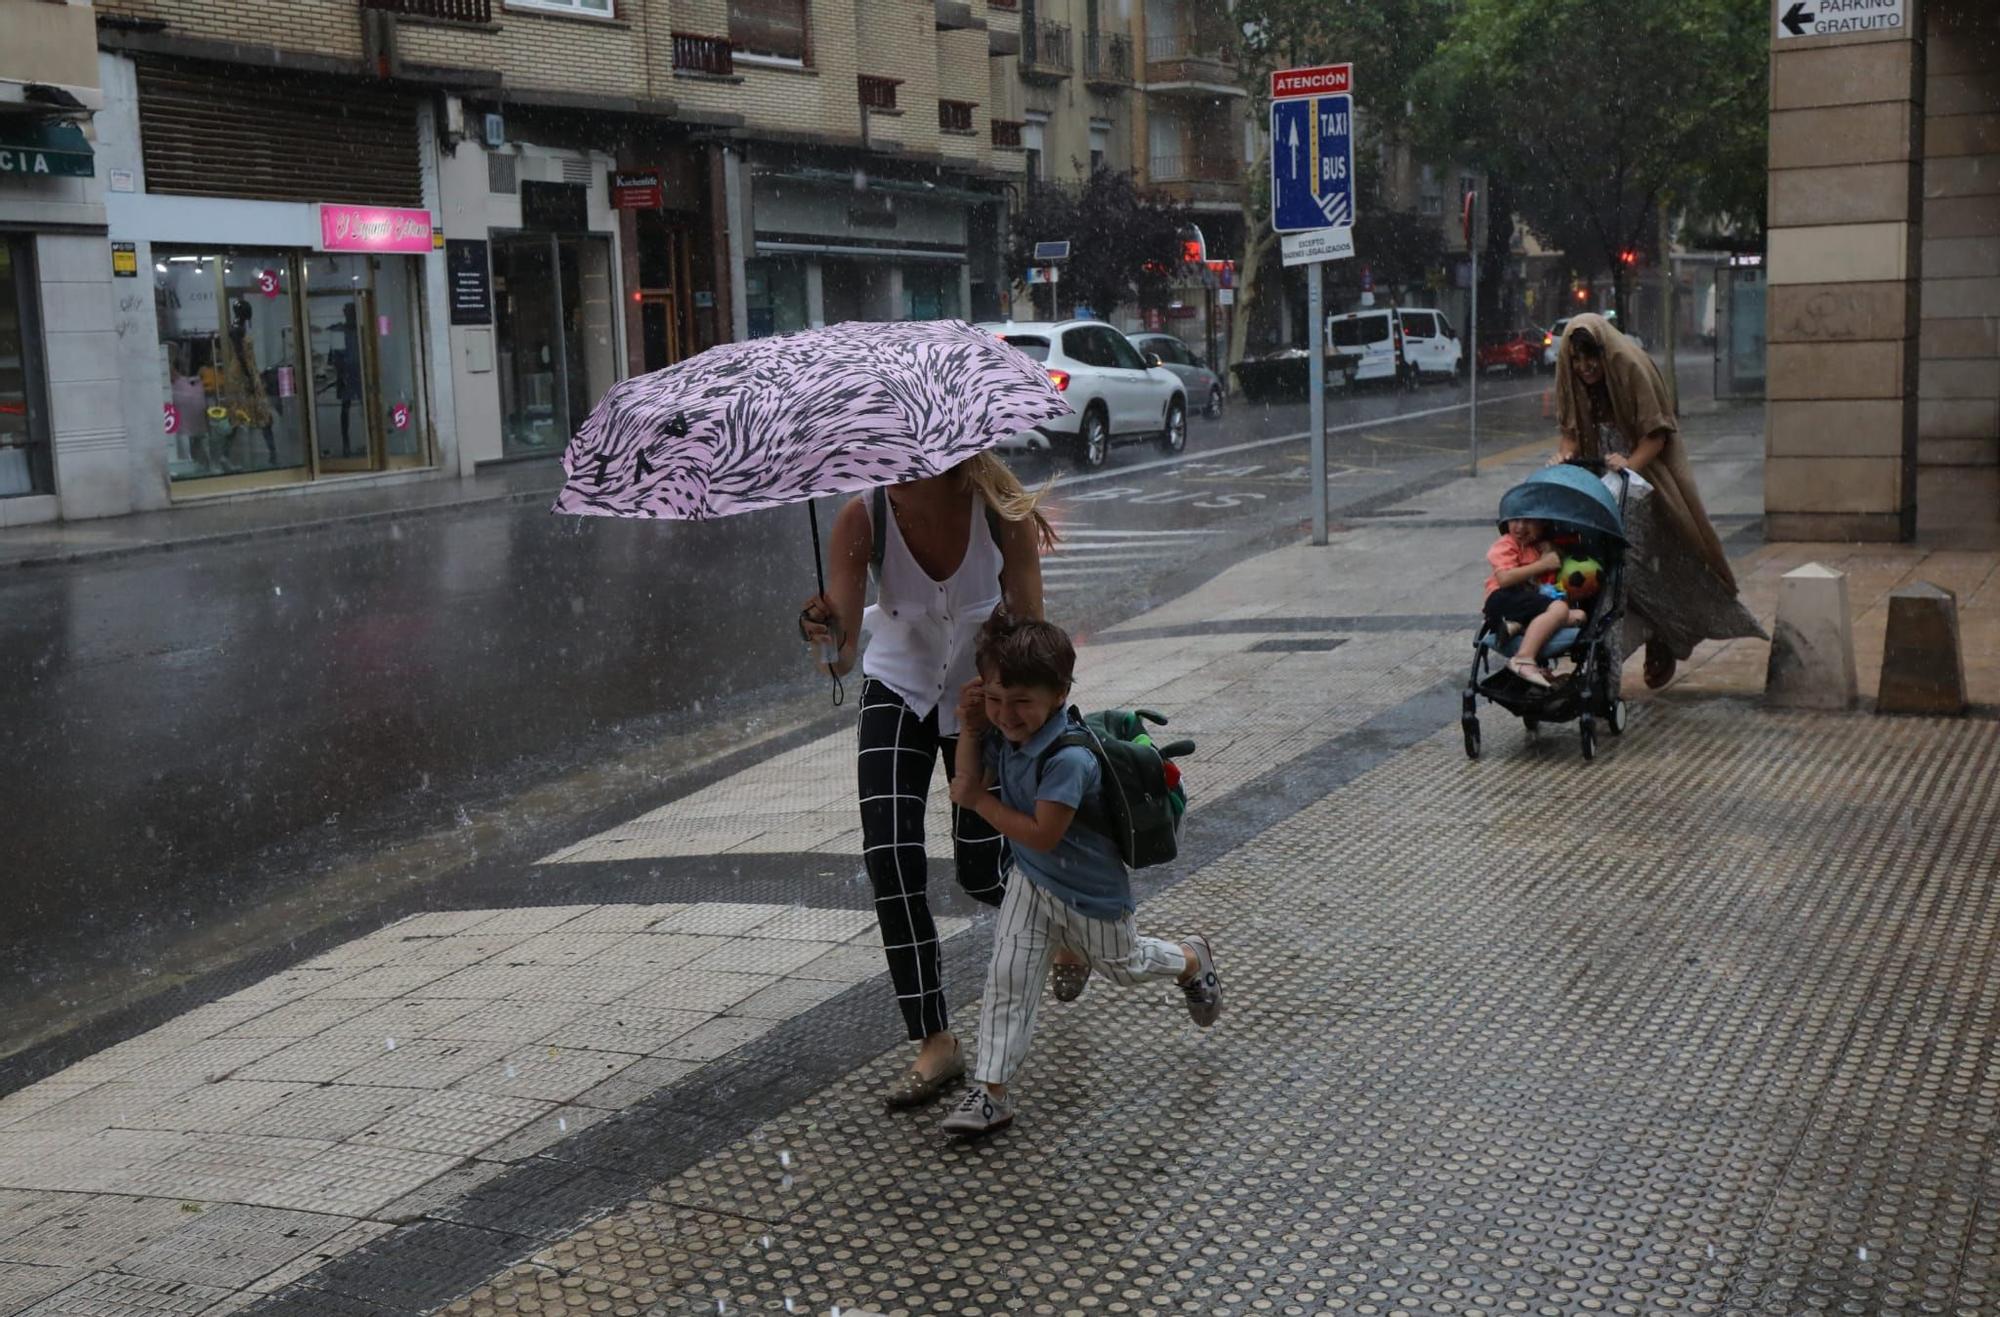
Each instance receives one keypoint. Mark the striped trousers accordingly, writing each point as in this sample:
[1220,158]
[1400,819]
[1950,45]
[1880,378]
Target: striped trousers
[1033,926]
[898,751]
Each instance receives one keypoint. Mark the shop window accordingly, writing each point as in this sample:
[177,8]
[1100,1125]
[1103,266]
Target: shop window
[771,29]
[774,293]
[24,432]
[277,366]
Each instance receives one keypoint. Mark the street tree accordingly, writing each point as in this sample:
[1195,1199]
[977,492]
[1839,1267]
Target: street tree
[1125,246]
[1604,119]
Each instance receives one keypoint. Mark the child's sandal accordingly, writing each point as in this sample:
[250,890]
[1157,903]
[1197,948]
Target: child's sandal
[1529,671]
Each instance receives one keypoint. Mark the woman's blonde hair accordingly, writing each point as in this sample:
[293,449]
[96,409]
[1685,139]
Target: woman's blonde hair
[1003,491]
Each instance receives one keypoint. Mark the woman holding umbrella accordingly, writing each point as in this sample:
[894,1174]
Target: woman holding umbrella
[1614,410]
[955,548]
[903,413]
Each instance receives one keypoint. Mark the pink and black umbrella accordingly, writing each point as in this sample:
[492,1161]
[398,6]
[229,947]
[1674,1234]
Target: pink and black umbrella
[785,420]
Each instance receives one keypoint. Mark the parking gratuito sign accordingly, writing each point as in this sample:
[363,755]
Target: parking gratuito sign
[1833,18]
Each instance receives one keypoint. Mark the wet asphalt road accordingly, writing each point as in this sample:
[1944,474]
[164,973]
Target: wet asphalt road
[189,737]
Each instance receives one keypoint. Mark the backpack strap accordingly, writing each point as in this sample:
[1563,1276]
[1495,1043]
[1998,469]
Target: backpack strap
[878,509]
[1090,812]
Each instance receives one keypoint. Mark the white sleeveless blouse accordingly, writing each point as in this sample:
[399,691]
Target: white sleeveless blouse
[921,631]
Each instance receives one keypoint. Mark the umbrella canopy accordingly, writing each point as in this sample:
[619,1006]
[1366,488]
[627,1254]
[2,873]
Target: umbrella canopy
[1568,494]
[784,420]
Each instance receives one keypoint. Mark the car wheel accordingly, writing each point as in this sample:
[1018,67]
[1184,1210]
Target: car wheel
[1214,401]
[1093,444]
[1174,437]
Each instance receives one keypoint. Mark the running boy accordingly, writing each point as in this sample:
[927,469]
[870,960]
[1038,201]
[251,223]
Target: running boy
[1070,888]
[1522,561]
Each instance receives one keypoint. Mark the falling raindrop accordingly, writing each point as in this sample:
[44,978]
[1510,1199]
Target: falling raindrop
[721,1306]
[785,1157]
[562,1124]
[1864,1254]
[789,1305]
[786,1183]
[766,1242]
[278,590]
[511,1071]
[1711,1252]
[389,1043]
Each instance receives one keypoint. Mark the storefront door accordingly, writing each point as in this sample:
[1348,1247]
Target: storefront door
[552,315]
[361,313]
[666,310]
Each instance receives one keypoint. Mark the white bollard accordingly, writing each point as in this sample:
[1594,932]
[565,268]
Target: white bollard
[1812,648]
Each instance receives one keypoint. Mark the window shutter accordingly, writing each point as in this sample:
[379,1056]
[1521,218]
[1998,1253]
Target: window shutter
[210,132]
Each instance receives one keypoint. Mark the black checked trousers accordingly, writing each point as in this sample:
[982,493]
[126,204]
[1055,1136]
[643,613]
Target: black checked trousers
[898,752]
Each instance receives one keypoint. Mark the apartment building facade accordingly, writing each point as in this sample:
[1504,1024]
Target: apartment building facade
[1152,88]
[404,239]
[57,399]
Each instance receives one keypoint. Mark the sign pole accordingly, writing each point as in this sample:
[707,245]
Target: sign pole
[1316,387]
[1472,331]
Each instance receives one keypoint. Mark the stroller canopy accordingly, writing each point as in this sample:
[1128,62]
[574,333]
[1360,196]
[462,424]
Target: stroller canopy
[1566,494]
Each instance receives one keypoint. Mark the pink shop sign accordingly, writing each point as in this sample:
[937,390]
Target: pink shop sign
[374,229]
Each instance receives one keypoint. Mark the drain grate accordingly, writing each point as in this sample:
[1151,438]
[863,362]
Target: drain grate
[1299,645]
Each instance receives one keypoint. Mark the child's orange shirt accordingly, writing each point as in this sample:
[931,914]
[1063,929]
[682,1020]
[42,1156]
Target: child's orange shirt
[1507,553]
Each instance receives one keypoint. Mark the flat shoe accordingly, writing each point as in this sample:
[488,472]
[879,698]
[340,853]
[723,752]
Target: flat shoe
[1528,672]
[915,1089]
[1068,981]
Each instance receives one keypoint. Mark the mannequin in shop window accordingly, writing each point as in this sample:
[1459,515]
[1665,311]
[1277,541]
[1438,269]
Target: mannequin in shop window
[346,363]
[243,392]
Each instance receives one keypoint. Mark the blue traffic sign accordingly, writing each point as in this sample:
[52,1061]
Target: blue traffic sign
[1312,163]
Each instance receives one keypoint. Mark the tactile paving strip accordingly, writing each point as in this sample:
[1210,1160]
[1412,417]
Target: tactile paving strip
[1724,1045]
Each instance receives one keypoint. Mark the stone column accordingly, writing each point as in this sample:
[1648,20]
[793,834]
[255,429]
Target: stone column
[1844,271]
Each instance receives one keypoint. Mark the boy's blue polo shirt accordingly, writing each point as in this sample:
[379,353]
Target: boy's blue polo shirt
[1084,870]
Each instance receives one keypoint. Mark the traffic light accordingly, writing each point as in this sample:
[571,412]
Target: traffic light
[1630,256]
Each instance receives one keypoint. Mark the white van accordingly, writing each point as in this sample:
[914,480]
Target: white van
[1369,344]
[1430,344]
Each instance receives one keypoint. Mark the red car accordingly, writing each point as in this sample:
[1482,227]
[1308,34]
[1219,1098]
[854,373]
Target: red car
[1517,352]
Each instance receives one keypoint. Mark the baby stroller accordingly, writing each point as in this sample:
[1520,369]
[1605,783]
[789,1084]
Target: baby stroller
[1574,499]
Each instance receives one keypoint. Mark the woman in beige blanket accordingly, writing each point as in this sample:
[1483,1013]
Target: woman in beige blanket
[1614,408]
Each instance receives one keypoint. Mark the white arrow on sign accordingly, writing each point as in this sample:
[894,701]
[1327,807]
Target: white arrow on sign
[1294,144]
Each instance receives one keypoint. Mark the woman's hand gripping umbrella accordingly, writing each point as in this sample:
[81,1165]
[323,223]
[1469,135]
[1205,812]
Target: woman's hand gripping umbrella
[785,420]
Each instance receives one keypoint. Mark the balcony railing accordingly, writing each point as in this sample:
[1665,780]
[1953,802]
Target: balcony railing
[956,116]
[1195,169]
[443,11]
[1047,50]
[1181,47]
[713,56]
[1107,60]
[879,93]
[1007,134]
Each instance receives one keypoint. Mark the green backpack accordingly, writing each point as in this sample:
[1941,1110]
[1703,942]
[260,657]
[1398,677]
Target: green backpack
[1142,804]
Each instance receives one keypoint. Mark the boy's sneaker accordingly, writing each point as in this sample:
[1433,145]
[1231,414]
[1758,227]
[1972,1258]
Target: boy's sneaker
[1068,981]
[1204,990]
[978,1113]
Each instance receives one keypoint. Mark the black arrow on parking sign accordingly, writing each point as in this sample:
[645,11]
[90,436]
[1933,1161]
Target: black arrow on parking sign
[1796,19]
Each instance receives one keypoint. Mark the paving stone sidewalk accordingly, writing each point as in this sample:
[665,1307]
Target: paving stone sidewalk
[1701,1026]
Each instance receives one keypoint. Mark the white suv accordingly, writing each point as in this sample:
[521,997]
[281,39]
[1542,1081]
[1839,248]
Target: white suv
[1114,396]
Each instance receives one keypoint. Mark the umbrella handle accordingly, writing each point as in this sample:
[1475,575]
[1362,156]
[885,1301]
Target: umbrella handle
[819,571]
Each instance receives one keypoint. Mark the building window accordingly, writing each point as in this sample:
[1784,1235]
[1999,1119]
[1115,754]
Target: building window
[587,8]
[1100,145]
[774,293]
[879,93]
[24,424]
[1031,144]
[770,29]
[956,116]
[930,292]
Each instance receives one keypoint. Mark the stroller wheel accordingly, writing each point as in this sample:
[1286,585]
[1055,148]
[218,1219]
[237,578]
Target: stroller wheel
[1471,729]
[1616,722]
[1586,728]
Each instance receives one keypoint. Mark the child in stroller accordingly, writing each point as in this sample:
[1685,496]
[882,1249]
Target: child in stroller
[1522,597]
[1561,509]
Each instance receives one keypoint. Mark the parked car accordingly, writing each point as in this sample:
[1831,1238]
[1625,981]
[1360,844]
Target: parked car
[1552,339]
[1203,386]
[1514,351]
[1114,395]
